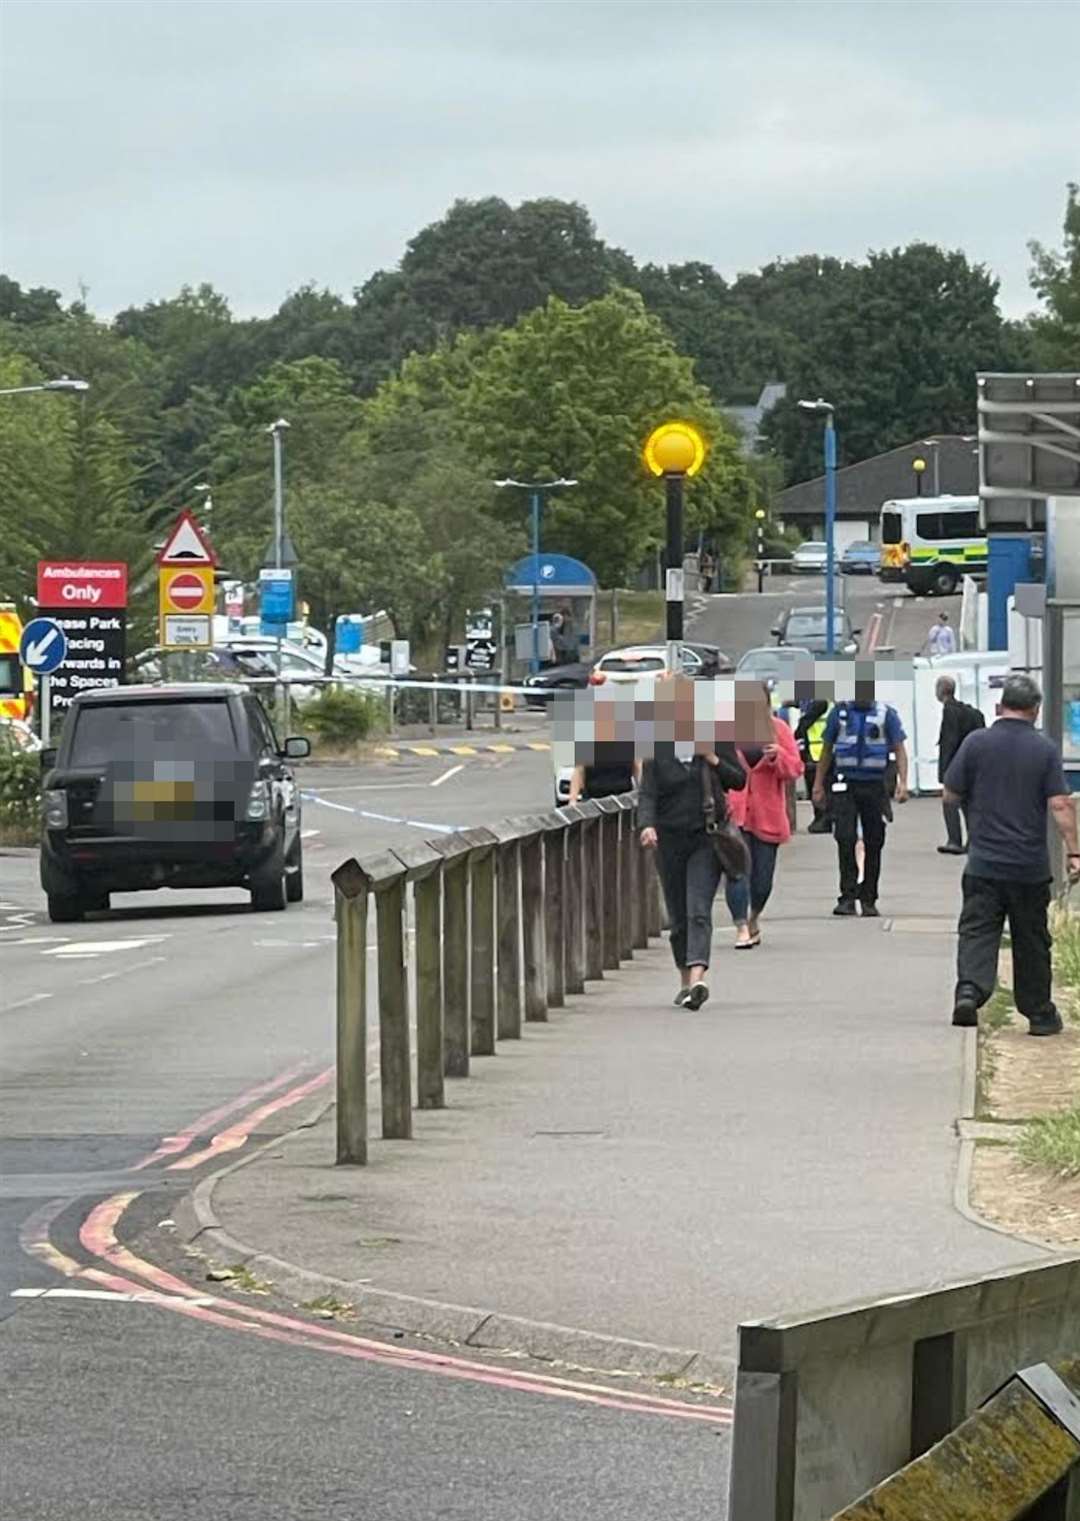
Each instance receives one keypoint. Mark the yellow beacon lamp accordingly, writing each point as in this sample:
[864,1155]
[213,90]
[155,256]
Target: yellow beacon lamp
[674,450]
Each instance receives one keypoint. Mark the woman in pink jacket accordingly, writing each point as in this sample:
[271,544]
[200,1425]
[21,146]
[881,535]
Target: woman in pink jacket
[760,811]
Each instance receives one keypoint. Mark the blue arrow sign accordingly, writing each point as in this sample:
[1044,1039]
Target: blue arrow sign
[43,646]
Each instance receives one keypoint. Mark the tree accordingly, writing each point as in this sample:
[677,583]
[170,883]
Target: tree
[1055,278]
[898,344]
[574,393]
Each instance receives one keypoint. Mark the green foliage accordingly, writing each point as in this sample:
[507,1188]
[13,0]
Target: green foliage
[1055,278]
[574,392]
[1053,1142]
[20,793]
[341,717]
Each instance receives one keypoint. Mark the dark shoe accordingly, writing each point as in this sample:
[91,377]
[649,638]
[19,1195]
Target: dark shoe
[680,997]
[697,996]
[1050,1024]
[965,1008]
[870,911]
[819,826]
[845,908]
[952,850]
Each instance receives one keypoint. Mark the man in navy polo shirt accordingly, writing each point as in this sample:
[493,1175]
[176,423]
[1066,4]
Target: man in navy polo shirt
[861,739]
[1007,777]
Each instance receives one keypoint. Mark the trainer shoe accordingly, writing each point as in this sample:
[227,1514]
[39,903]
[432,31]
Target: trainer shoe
[819,826]
[680,997]
[698,994]
[870,911]
[845,908]
[1049,1024]
[952,850]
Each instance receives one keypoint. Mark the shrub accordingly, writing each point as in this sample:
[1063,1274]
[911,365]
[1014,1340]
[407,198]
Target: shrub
[340,717]
[20,793]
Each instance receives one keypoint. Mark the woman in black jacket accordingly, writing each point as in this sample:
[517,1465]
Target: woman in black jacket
[671,811]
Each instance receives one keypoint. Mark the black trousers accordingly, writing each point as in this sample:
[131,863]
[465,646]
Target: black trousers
[988,902]
[954,828]
[860,804]
[690,874]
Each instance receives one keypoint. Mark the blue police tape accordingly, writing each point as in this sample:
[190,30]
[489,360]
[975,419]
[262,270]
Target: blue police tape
[382,818]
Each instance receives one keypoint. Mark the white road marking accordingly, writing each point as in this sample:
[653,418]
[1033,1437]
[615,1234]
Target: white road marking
[42,940]
[126,971]
[76,949]
[150,1296]
[309,834]
[438,781]
[24,1003]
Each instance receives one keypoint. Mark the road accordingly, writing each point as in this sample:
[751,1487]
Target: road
[128,1042]
[133,1038]
[739,622]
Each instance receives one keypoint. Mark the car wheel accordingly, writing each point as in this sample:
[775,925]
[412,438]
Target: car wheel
[268,885]
[294,875]
[945,582]
[66,910]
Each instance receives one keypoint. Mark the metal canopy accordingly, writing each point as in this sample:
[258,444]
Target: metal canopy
[1029,446]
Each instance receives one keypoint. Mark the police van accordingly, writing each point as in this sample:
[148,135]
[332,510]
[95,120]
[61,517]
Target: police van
[931,542]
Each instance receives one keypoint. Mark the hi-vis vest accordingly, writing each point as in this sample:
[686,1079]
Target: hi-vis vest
[815,736]
[862,748]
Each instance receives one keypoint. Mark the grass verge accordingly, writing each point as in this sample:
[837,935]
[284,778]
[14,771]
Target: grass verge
[1053,1142]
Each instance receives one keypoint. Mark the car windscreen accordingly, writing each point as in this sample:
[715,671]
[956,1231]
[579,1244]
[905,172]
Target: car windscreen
[809,625]
[109,732]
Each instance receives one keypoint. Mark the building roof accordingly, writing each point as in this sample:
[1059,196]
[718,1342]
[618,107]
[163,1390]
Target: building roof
[861,488]
[749,419]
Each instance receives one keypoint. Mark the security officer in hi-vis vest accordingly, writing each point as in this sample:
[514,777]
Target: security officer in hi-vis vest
[863,744]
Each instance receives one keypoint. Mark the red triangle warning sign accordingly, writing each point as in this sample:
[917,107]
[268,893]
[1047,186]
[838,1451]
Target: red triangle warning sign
[186,544]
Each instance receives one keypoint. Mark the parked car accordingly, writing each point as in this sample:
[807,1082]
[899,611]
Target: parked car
[648,661]
[169,786]
[768,663]
[805,628]
[810,558]
[860,559]
[541,688]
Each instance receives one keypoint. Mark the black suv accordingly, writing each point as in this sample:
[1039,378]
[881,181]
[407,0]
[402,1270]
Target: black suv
[169,786]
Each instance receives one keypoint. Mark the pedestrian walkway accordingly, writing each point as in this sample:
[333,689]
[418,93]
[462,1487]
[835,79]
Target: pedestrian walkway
[641,1172]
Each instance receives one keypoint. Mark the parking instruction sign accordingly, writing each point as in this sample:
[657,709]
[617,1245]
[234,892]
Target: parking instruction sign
[88,600]
[276,601]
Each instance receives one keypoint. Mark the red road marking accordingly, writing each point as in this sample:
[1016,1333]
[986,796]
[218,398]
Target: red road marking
[172,1145]
[98,1236]
[236,1136]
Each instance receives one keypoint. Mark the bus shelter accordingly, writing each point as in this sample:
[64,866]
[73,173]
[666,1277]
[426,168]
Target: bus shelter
[555,584]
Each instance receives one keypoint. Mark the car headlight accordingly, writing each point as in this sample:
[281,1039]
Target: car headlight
[55,808]
[258,804]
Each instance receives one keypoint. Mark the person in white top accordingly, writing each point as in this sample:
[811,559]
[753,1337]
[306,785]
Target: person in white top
[942,639]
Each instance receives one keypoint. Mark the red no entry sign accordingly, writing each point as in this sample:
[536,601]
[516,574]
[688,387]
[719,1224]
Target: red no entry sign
[186,590]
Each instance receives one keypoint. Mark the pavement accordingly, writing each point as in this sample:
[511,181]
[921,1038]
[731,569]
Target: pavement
[628,1182]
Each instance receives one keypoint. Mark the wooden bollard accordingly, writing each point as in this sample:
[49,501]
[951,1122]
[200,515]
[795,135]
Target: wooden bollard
[350,908]
[533,918]
[481,844]
[385,878]
[612,874]
[455,945]
[628,854]
[555,907]
[423,868]
[509,1011]
[594,892]
[575,907]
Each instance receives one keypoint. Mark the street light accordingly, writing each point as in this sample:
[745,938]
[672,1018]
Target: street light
[277,431]
[919,467]
[825,410]
[536,490]
[65,383]
[674,450]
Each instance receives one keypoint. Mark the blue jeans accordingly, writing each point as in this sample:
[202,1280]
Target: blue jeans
[748,895]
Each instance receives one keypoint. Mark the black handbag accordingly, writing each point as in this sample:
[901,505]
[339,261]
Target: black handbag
[724,836]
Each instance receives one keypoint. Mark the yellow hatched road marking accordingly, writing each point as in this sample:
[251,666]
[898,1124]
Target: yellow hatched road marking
[424,750]
[462,750]
[501,749]
[537,745]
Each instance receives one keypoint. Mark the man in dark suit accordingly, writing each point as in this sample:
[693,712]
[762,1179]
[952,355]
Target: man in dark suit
[958,720]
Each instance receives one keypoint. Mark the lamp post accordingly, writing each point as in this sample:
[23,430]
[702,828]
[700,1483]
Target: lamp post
[536,490]
[64,384]
[674,450]
[759,515]
[277,431]
[919,467]
[825,410]
[934,444]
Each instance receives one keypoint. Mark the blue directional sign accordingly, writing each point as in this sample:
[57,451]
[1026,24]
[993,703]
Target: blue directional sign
[43,646]
[275,601]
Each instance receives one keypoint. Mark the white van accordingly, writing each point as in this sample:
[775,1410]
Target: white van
[931,542]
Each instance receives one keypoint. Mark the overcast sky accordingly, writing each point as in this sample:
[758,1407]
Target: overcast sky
[261,145]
